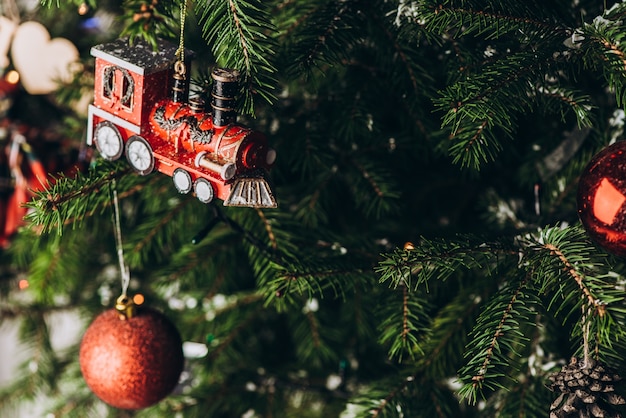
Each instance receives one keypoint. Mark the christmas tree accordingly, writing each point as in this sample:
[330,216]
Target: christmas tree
[426,256]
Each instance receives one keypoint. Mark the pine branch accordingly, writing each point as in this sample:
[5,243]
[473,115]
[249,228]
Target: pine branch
[447,338]
[425,398]
[150,20]
[500,19]
[312,337]
[153,236]
[479,110]
[438,260]
[322,38]
[570,273]
[69,201]
[57,265]
[240,33]
[495,337]
[603,47]
[573,275]
[577,276]
[566,100]
[382,196]
[42,369]
[386,404]
[336,277]
[223,343]
[528,398]
[405,323]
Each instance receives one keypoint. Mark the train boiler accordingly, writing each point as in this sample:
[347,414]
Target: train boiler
[141,110]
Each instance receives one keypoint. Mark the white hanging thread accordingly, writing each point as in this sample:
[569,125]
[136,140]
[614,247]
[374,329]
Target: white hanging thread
[118,241]
[586,328]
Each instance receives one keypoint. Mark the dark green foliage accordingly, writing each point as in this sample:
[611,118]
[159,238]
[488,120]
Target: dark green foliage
[150,20]
[459,126]
[240,34]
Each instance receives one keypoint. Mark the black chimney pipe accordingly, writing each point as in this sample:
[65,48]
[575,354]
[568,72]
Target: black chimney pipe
[225,89]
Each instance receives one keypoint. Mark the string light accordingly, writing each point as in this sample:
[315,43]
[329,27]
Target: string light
[12,77]
[138,299]
[83,9]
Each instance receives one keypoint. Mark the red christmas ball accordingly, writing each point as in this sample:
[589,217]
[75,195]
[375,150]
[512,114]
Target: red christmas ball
[131,363]
[602,198]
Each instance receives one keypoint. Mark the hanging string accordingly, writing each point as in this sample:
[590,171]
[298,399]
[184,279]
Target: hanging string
[180,52]
[118,240]
[586,328]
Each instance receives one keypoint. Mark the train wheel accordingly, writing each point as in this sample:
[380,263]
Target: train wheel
[203,190]
[139,155]
[182,180]
[108,140]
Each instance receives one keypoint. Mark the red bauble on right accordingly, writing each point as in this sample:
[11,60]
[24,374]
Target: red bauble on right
[602,198]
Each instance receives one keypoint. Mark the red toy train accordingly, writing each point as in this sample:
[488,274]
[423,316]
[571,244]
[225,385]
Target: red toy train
[141,109]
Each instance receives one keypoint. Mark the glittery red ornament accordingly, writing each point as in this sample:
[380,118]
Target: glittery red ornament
[131,363]
[602,198]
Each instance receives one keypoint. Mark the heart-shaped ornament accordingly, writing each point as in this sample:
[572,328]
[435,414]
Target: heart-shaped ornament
[43,63]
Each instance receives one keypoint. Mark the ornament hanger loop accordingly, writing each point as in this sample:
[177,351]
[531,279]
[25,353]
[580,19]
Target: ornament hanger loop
[125,307]
[179,68]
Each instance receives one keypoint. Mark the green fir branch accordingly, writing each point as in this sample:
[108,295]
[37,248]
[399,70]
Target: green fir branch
[322,38]
[241,36]
[424,397]
[573,276]
[312,338]
[438,260]
[335,277]
[153,237]
[530,397]
[406,321]
[569,272]
[382,195]
[480,110]
[496,336]
[150,20]
[68,201]
[603,47]
[448,334]
[564,101]
[471,18]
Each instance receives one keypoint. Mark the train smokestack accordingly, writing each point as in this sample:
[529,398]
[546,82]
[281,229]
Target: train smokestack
[225,89]
[180,89]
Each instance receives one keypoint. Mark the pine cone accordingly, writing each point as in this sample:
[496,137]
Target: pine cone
[586,391]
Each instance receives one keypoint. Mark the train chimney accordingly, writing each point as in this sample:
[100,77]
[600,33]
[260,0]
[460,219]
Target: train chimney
[180,90]
[225,88]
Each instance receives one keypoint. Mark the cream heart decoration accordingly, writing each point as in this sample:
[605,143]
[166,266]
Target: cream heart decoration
[42,62]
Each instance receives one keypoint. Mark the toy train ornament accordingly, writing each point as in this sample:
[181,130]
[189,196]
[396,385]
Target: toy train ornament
[141,109]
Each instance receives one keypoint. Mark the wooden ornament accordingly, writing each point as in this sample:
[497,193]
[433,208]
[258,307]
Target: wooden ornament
[42,62]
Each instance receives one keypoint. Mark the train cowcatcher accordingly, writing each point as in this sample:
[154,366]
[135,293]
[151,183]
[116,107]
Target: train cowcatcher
[142,110]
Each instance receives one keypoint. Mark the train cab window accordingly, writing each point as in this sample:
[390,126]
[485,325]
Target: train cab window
[127,91]
[108,82]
